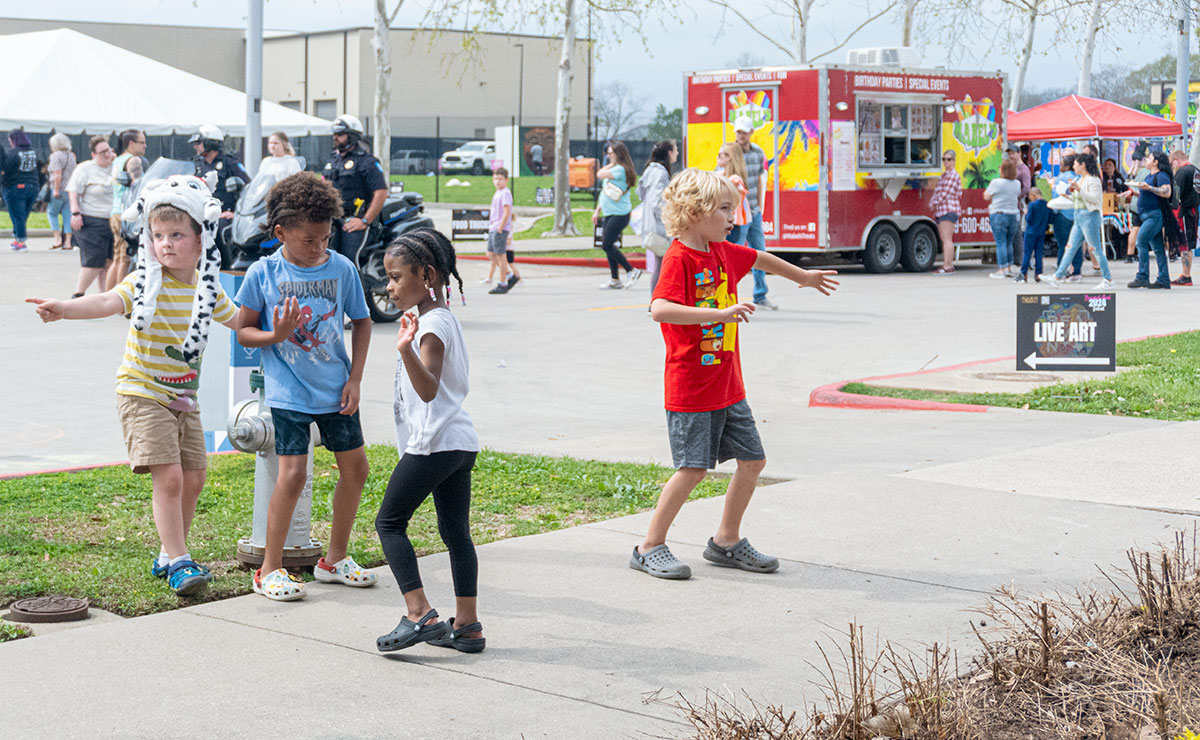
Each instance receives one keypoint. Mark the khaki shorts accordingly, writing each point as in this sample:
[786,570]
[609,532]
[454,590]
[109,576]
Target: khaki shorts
[119,244]
[157,435]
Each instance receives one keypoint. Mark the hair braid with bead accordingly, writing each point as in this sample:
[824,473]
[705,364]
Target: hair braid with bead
[428,249]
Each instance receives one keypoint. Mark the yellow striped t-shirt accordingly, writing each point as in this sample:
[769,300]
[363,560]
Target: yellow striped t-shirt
[153,366]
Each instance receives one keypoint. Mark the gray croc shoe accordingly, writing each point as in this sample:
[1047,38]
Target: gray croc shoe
[409,633]
[660,563]
[742,555]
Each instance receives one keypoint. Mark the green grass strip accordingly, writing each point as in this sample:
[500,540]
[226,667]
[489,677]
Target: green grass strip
[1164,383]
[583,224]
[91,533]
[481,189]
[37,220]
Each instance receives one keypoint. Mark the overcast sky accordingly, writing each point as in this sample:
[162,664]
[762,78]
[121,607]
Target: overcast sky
[687,43]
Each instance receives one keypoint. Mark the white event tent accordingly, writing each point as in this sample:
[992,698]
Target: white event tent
[66,81]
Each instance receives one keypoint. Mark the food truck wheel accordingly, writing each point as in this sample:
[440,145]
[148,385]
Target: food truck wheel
[920,248]
[883,249]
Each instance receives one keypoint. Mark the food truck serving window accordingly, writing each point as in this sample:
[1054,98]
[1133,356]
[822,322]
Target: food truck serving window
[894,134]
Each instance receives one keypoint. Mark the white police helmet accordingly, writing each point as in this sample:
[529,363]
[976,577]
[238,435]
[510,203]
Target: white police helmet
[348,124]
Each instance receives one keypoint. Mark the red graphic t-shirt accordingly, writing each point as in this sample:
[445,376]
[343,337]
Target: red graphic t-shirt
[704,371]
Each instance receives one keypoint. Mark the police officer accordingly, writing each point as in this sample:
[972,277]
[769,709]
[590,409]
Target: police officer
[231,178]
[358,176]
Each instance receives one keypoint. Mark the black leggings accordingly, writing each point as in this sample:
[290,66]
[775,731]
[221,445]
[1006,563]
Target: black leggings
[611,228]
[448,476]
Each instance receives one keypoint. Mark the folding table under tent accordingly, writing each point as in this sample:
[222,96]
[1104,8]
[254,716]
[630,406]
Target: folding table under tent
[63,80]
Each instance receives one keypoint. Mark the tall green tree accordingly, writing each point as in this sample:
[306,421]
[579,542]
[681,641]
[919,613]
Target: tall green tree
[667,124]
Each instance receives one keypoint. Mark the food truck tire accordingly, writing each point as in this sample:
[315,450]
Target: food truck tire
[920,248]
[883,249]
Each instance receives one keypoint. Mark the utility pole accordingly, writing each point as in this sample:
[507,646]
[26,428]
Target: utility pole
[254,74]
[1182,71]
[521,90]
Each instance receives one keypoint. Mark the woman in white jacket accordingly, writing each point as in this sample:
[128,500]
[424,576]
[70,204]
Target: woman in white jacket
[651,184]
[1088,194]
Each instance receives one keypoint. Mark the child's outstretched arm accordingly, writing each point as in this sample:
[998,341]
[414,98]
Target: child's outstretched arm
[669,312]
[286,319]
[95,306]
[360,340]
[425,371]
[822,280]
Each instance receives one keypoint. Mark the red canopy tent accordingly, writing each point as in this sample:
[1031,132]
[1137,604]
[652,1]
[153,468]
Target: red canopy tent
[1077,117]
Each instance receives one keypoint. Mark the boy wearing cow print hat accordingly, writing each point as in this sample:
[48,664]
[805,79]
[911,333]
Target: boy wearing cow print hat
[173,296]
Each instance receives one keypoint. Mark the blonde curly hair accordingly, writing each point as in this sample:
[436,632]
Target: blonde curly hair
[692,195]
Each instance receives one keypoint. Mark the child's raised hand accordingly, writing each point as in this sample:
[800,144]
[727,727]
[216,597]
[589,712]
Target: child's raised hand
[408,331]
[48,309]
[739,312]
[285,318]
[822,280]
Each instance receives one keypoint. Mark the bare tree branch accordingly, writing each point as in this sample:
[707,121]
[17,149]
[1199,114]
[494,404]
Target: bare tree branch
[727,5]
[857,28]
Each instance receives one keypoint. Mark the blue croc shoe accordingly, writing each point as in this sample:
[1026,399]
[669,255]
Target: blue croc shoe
[158,571]
[188,579]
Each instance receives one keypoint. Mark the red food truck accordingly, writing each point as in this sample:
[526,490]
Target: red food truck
[854,152]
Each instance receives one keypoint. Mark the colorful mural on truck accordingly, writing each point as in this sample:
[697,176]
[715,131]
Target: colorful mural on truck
[798,153]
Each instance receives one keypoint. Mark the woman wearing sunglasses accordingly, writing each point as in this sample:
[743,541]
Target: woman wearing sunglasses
[946,209]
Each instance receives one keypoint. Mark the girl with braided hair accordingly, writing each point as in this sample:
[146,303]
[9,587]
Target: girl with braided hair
[436,439]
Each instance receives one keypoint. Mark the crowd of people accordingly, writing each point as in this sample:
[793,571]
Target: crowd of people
[1163,216]
[291,306]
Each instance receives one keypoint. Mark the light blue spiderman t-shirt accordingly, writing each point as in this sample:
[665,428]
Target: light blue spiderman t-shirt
[307,371]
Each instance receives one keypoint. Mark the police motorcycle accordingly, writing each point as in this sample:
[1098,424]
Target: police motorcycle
[401,212]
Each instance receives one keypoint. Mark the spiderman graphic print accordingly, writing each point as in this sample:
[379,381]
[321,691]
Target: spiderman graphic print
[307,371]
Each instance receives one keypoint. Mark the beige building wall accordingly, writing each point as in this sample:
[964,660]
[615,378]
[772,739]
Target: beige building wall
[432,75]
[217,54]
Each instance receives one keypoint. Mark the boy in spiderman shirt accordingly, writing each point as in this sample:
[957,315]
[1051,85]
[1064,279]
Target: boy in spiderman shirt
[708,419]
[292,307]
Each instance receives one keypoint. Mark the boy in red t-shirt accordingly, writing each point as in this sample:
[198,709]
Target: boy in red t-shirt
[708,419]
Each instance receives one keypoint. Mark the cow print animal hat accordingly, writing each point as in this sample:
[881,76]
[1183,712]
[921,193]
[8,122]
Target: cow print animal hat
[194,197]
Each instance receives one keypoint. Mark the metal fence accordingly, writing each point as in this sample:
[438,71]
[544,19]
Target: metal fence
[433,135]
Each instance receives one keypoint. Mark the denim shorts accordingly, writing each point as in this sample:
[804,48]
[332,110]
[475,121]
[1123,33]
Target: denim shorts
[701,439]
[951,217]
[339,432]
[497,242]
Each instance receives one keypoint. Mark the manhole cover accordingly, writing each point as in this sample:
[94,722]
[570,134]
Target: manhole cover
[48,609]
[1020,377]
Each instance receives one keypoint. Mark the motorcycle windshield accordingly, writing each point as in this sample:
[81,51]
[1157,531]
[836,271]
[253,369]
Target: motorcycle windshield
[250,218]
[247,226]
[160,170]
[254,197]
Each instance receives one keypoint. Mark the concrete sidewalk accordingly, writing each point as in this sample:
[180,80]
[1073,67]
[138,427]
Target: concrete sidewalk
[901,521]
[577,639]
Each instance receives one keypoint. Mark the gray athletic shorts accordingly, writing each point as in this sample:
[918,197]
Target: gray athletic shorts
[701,439]
[497,242]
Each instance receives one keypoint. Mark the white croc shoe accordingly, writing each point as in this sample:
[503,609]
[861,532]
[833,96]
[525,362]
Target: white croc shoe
[344,571]
[278,585]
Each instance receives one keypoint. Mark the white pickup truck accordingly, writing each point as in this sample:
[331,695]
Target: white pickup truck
[474,157]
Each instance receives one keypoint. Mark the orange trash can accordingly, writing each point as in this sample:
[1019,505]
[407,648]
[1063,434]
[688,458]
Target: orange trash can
[581,173]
